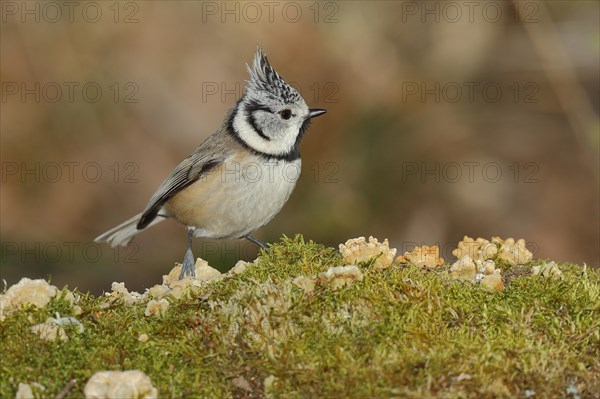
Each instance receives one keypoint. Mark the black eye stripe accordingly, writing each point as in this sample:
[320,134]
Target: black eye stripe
[256,106]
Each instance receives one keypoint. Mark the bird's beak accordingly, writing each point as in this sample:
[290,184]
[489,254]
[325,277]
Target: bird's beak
[315,112]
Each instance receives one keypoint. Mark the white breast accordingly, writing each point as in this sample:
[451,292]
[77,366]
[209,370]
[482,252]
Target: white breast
[238,197]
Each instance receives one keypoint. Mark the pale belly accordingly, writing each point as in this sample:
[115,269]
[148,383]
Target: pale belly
[236,198]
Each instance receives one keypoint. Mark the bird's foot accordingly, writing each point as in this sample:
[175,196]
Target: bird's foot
[258,242]
[188,267]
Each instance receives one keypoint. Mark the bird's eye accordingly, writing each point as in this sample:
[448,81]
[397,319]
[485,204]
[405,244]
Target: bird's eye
[286,114]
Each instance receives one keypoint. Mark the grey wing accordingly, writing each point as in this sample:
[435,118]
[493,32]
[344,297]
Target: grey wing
[206,157]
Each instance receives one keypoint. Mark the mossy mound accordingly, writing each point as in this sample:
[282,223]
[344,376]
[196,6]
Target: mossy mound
[399,332]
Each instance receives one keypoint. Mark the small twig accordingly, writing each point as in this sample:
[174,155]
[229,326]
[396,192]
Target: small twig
[65,390]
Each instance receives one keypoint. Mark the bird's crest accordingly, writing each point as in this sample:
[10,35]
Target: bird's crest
[265,81]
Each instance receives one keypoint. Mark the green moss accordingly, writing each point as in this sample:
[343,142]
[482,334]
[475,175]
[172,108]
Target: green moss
[399,332]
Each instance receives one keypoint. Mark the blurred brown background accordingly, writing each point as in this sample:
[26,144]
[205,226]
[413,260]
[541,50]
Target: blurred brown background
[445,119]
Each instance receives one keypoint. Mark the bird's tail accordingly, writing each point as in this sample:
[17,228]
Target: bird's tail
[123,233]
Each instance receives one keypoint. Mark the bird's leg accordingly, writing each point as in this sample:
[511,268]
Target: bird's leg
[188,266]
[257,242]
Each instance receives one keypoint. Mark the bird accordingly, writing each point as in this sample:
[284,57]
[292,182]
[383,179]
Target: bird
[240,177]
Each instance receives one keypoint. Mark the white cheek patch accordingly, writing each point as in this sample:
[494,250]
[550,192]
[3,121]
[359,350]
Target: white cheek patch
[280,144]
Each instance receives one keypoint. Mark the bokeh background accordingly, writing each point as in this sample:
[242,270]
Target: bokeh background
[445,119]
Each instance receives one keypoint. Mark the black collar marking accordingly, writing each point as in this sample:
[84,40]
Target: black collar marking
[252,121]
[252,106]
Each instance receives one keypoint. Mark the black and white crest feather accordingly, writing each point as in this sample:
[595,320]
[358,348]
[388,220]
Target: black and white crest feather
[264,80]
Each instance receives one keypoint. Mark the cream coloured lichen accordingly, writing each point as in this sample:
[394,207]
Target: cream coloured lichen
[156,308]
[339,276]
[509,250]
[52,328]
[334,278]
[464,268]
[29,391]
[514,252]
[184,288]
[130,384]
[157,291]
[241,267]
[177,288]
[306,283]
[547,270]
[171,285]
[482,272]
[119,291]
[358,250]
[486,267]
[26,292]
[493,281]
[424,256]
[203,273]
[479,249]
[50,331]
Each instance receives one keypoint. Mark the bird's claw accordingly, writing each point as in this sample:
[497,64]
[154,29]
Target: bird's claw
[188,267]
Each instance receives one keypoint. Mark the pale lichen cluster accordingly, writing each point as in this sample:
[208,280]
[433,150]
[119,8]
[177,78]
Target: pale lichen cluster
[510,250]
[355,251]
[157,297]
[53,328]
[549,269]
[130,384]
[157,307]
[478,271]
[478,260]
[479,249]
[359,250]
[30,390]
[171,287]
[424,256]
[29,292]
[334,278]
